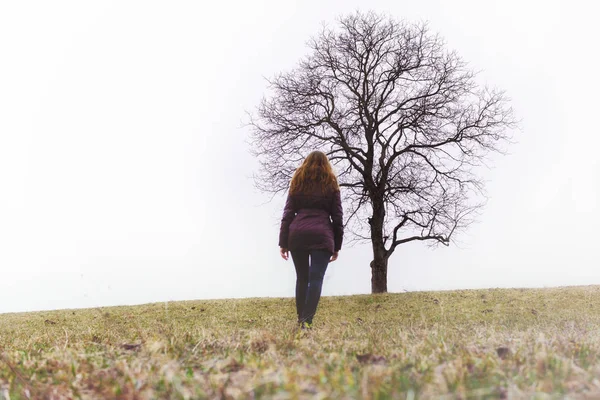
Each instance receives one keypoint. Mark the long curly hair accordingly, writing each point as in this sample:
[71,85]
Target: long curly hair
[314,173]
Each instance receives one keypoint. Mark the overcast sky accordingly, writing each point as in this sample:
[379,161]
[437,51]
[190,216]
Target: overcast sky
[125,173]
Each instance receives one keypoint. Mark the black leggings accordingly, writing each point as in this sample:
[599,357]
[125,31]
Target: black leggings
[309,280]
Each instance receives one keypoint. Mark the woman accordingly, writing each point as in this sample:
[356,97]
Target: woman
[311,226]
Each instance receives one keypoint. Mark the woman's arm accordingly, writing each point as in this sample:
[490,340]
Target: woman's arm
[337,218]
[288,215]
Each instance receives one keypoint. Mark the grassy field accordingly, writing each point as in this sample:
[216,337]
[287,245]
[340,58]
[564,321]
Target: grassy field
[517,343]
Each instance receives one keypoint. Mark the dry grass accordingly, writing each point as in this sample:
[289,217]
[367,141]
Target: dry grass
[535,343]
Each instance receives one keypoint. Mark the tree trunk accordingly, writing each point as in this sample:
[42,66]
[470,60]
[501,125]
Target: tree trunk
[379,274]
[380,259]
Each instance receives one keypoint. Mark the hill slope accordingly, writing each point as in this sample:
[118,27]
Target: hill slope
[473,343]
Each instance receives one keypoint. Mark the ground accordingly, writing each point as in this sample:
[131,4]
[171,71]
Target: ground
[498,343]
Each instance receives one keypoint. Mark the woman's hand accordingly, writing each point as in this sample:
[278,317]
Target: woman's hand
[334,256]
[284,253]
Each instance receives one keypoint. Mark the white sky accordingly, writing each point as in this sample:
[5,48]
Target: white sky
[124,171]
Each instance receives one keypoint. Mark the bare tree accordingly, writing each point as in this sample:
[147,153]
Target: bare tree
[402,119]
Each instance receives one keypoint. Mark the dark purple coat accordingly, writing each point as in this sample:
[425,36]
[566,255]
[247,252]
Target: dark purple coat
[312,221]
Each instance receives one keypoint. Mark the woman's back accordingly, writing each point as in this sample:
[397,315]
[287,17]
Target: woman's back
[312,220]
[314,200]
